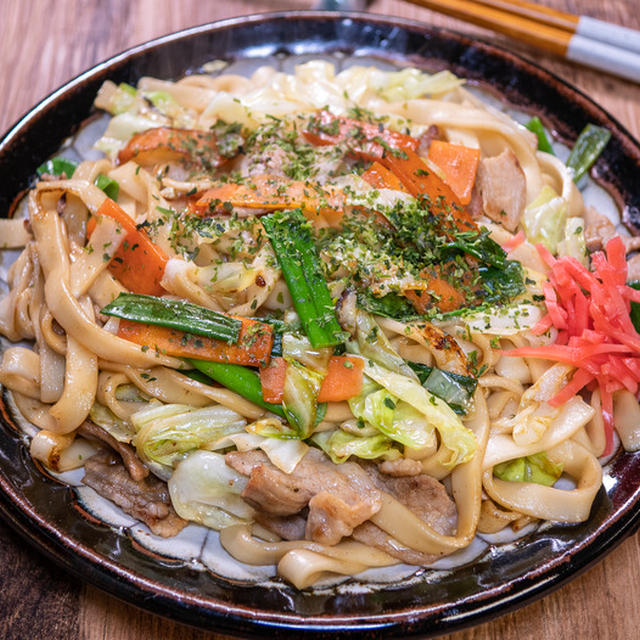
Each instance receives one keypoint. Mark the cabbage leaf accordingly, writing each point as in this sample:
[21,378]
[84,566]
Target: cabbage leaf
[535,468]
[460,441]
[340,445]
[544,219]
[205,490]
[166,432]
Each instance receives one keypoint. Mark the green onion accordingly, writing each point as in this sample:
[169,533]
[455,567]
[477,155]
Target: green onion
[108,185]
[242,380]
[290,236]
[175,314]
[535,125]
[455,389]
[586,150]
[57,166]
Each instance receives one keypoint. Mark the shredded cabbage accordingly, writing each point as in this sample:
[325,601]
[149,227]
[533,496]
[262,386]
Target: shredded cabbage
[109,421]
[460,441]
[340,445]
[397,420]
[573,244]
[412,83]
[535,468]
[205,490]
[168,431]
[504,321]
[121,128]
[544,219]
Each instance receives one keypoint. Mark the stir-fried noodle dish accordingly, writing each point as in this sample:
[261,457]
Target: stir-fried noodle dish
[348,320]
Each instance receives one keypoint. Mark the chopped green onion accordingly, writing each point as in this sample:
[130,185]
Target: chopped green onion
[586,150]
[108,185]
[290,236]
[57,167]
[175,314]
[535,125]
[242,380]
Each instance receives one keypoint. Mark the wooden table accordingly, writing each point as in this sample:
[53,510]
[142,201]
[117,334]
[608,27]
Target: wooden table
[42,45]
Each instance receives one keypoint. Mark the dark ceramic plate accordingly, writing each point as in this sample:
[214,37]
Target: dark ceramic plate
[501,579]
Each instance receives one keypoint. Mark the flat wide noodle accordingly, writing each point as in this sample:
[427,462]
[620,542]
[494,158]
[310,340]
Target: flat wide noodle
[548,503]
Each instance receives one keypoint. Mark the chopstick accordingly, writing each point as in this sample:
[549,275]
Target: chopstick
[586,26]
[552,30]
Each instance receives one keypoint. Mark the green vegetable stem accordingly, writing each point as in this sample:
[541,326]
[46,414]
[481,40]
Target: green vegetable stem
[175,314]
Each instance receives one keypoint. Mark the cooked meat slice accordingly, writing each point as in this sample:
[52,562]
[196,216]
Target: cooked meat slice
[287,527]
[147,500]
[475,204]
[245,462]
[424,496]
[425,140]
[331,517]
[633,268]
[337,503]
[503,185]
[598,230]
[276,492]
[372,535]
[131,461]
[401,467]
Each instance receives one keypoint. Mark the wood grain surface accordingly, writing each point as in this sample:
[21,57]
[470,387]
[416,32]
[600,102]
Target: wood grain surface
[44,43]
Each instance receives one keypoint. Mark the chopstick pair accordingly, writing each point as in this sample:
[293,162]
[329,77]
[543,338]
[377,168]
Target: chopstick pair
[581,39]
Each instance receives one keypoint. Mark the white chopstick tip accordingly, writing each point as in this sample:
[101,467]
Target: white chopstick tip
[614,34]
[620,62]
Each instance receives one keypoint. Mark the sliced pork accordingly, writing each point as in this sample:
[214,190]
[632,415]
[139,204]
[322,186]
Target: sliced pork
[426,498]
[131,461]
[336,503]
[146,500]
[503,186]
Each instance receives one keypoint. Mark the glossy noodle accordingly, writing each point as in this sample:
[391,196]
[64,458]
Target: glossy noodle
[364,250]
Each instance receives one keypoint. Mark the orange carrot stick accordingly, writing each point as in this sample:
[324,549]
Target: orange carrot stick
[252,349]
[380,177]
[459,165]
[138,263]
[164,144]
[425,185]
[343,379]
[272,193]
[365,140]
[440,292]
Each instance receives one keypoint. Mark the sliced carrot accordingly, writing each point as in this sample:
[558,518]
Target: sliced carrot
[343,379]
[425,185]
[138,263]
[271,193]
[252,349]
[459,165]
[164,144]
[368,141]
[440,292]
[272,378]
[380,177]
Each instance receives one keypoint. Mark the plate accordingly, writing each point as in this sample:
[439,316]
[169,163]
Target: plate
[50,515]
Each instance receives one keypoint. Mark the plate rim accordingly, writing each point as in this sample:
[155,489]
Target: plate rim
[193,609]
